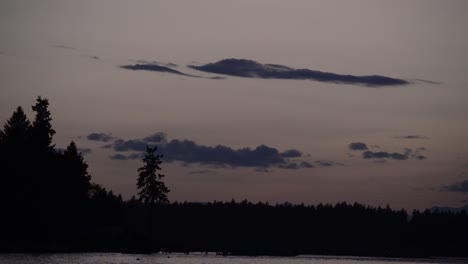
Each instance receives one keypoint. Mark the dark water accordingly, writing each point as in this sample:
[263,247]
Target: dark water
[104,258]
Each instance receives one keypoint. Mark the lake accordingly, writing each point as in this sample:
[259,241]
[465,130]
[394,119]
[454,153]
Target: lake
[105,258]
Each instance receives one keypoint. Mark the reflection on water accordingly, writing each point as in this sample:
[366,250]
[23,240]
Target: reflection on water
[105,258]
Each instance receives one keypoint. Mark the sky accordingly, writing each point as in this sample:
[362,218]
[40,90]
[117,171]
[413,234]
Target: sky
[299,132]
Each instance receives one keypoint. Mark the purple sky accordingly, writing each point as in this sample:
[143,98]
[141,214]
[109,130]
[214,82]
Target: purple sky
[70,52]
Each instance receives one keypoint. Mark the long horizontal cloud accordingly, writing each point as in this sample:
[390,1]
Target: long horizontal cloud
[188,151]
[154,67]
[413,137]
[457,187]
[253,69]
[385,155]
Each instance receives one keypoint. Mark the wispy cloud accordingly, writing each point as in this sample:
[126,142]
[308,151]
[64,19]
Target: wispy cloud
[412,137]
[155,68]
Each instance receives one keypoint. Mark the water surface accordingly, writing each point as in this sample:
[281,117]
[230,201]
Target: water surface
[104,258]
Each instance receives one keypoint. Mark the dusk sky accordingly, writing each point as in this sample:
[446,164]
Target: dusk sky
[298,130]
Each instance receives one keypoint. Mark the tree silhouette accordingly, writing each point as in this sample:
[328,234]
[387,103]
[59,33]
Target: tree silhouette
[42,132]
[14,155]
[152,188]
[76,177]
[16,129]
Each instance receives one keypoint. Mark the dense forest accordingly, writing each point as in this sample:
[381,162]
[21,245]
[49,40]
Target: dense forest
[49,203]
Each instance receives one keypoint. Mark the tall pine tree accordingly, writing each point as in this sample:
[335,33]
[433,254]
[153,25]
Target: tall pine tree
[42,132]
[151,188]
[15,131]
[15,185]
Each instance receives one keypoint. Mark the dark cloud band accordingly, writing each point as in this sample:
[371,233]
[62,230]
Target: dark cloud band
[253,69]
[188,151]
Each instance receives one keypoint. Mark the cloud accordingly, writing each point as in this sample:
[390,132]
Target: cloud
[357,146]
[156,137]
[99,137]
[118,157]
[154,67]
[202,172]
[292,153]
[188,152]
[380,155]
[127,145]
[328,163]
[253,69]
[457,187]
[384,155]
[413,137]
[428,81]
[63,47]
[166,64]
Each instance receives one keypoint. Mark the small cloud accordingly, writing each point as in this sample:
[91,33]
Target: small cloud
[94,57]
[427,81]
[384,155]
[202,172]
[328,163]
[412,137]
[63,47]
[461,187]
[357,146]
[99,137]
[118,157]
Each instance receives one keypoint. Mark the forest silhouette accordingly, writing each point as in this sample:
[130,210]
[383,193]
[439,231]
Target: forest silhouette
[49,203]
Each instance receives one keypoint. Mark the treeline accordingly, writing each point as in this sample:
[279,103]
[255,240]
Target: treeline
[48,203]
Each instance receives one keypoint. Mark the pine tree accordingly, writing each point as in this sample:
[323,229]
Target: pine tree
[75,175]
[16,129]
[15,176]
[42,131]
[152,189]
